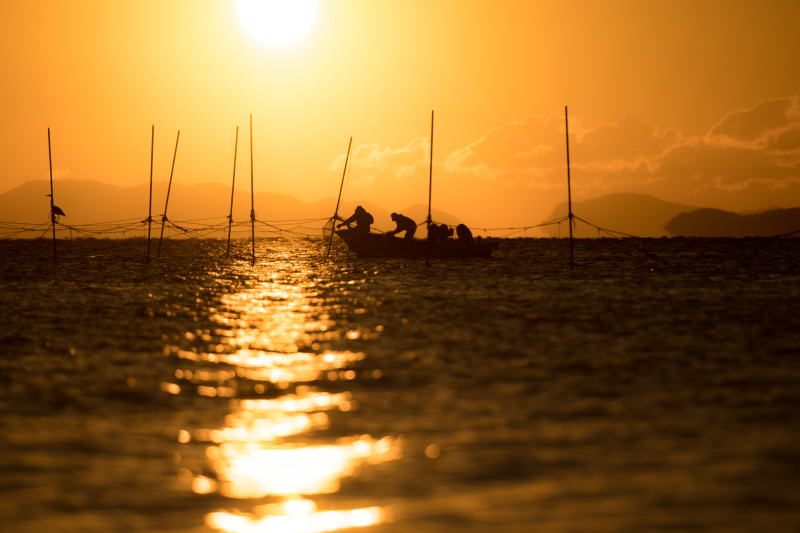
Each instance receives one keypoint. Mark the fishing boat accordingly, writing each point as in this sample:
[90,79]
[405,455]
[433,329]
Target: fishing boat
[388,246]
[381,245]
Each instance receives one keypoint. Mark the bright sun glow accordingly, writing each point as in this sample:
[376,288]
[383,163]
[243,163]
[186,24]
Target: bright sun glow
[277,21]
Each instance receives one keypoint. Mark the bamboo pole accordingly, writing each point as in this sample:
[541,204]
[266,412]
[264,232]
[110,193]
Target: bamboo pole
[169,187]
[569,194]
[430,189]
[233,182]
[336,213]
[52,203]
[252,198]
[150,206]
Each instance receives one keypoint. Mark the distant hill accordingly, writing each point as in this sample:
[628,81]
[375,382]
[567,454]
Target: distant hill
[88,202]
[718,223]
[419,213]
[635,214]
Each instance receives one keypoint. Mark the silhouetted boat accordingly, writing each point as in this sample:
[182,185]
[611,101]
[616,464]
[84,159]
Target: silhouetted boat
[379,245]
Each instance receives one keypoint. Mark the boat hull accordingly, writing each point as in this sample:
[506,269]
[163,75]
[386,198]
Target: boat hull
[384,246]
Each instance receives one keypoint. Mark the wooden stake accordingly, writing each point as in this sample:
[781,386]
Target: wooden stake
[233,182]
[252,198]
[52,214]
[169,187]
[150,206]
[336,213]
[569,195]
[430,189]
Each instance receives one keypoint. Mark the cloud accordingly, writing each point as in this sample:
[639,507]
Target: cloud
[536,146]
[760,126]
[399,162]
[366,179]
[749,158]
[759,145]
[60,173]
[517,148]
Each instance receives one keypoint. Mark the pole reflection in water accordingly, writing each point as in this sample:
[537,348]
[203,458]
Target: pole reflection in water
[259,452]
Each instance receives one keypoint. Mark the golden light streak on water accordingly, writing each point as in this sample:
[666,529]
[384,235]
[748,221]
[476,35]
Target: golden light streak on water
[315,401]
[247,466]
[245,470]
[250,455]
[276,368]
[251,462]
[171,388]
[203,485]
[298,520]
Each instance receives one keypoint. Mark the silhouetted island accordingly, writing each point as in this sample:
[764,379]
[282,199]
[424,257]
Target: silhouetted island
[636,214]
[718,223]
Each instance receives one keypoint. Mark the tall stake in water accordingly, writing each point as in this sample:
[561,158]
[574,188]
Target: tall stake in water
[336,213]
[252,199]
[150,206]
[169,187]
[569,194]
[52,211]
[430,188]
[233,182]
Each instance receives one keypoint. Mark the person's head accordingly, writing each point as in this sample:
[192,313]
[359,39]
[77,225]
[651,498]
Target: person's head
[394,216]
[359,208]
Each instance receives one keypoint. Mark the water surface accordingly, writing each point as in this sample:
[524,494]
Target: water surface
[652,388]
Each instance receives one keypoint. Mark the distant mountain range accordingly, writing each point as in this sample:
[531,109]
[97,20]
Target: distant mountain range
[646,216]
[718,223]
[635,214]
[88,202]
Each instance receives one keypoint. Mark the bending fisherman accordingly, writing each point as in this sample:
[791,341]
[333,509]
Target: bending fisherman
[464,234]
[440,233]
[403,224]
[362,219]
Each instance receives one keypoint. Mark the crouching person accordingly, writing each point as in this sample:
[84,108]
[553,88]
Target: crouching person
[464,234]
[403,224]
[439,232]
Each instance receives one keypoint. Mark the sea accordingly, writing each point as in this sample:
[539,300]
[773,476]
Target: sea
[628,385]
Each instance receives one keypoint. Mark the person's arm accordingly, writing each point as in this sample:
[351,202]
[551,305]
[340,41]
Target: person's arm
[348,221]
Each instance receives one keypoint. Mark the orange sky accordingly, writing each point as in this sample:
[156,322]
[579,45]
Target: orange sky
[708,88]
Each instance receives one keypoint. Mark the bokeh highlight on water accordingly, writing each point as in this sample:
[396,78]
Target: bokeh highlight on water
[652,388]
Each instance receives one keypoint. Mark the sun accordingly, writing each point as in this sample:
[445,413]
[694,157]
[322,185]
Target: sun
[277,21]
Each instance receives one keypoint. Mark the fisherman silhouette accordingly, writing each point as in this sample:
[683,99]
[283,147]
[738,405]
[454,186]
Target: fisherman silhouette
[362,219]
[464,234]
[433,232]
[439,232]
[403,224]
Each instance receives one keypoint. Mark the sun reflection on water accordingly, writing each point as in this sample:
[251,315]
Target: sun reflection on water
[247,470]
[256,453]
[297,516]
[280,369]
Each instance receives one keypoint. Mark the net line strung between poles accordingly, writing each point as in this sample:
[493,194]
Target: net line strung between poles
[618,235]
[31,244]
[286,228]
[18,229]
[193,227]
[332,220]
[516,229]
[290,227]
[626,236]
[189,229]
